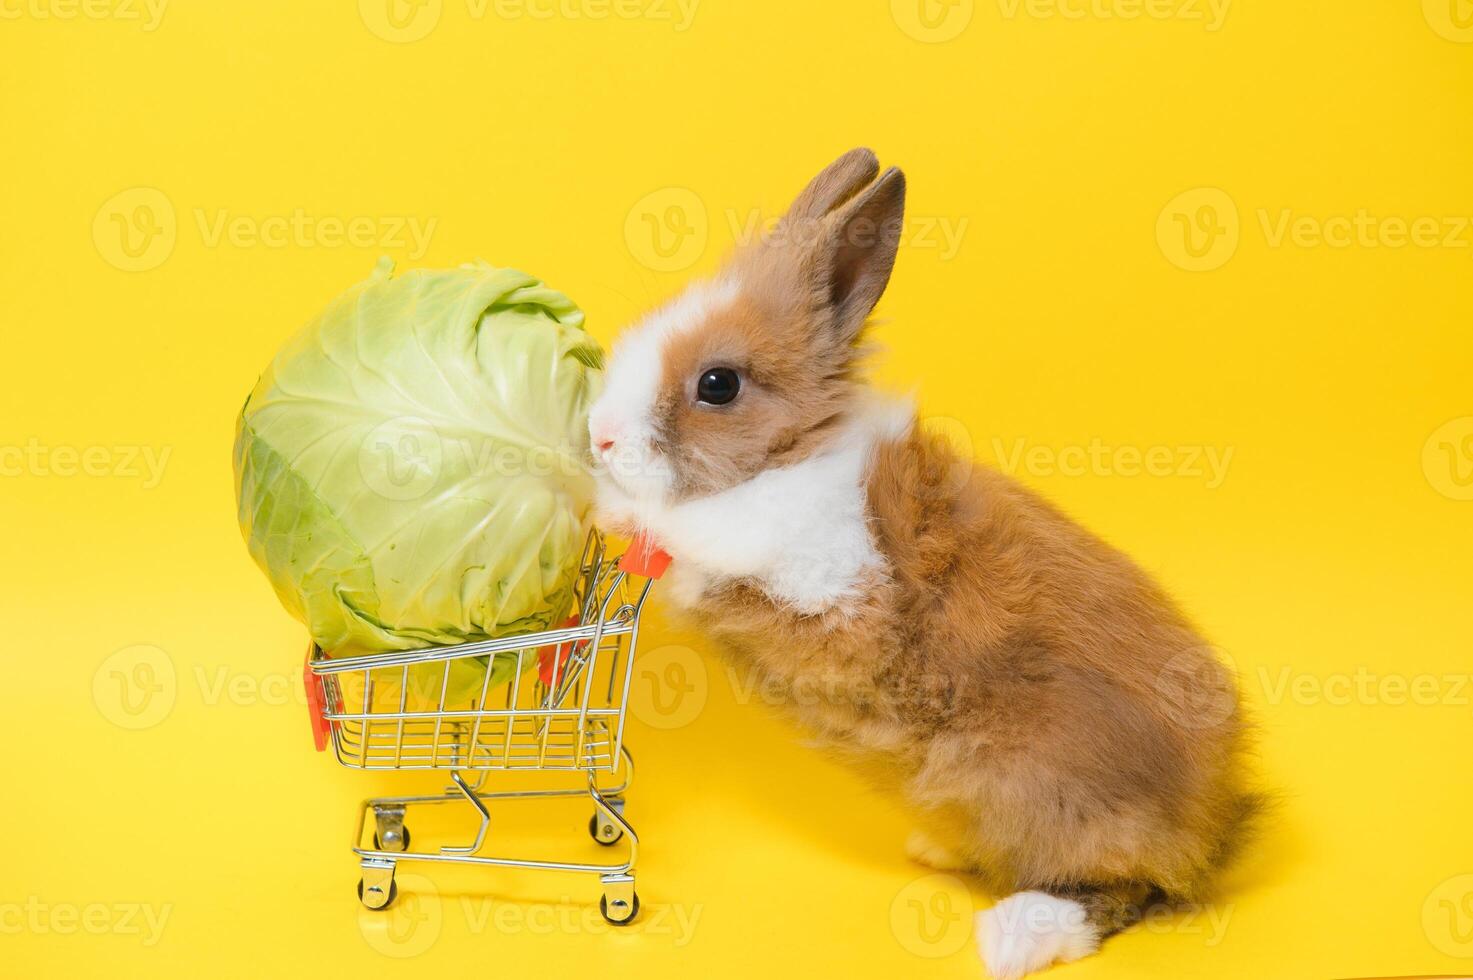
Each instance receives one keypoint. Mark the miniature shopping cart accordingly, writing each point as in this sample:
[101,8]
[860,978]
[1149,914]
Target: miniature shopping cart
[565,713]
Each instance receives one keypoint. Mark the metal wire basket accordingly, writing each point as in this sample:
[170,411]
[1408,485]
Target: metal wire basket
[549,701]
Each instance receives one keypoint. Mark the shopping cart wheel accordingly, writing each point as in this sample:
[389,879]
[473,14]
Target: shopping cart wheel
[388,828]
[377,889]
[603,830]
[394,841]
[627,908]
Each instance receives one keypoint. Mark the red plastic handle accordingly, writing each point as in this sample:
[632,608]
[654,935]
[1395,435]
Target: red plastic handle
[316,704]
[644,557]
[561,652]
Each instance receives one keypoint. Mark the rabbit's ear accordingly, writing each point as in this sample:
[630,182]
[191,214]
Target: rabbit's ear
[850,262]
[839,182]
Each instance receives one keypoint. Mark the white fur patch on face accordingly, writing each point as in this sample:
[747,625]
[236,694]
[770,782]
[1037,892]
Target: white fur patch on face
[624,412]
[801,531]
[1032,930]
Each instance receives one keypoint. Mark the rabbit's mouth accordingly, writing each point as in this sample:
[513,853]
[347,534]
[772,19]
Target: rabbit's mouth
[635,468]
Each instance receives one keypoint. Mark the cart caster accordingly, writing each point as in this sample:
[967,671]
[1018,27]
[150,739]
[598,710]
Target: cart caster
[396,841]
[602,829]
[628,913]
[619,903]
[377,888]
[389,832]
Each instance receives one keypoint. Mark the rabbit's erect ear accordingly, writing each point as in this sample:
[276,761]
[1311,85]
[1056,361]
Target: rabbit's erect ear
[851,261]
[839,182]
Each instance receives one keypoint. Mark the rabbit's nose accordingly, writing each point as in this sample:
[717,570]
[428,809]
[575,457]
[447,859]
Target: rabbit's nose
[603,435]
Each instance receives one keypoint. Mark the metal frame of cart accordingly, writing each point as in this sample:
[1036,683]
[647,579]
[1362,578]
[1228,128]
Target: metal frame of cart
[484,707]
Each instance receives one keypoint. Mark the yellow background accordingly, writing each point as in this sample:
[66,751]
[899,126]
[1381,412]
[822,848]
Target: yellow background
[1070,149]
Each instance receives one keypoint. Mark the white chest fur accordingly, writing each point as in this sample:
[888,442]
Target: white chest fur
[801,532]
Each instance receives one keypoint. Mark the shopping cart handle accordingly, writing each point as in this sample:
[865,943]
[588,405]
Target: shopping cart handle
[644,557]
[316,704]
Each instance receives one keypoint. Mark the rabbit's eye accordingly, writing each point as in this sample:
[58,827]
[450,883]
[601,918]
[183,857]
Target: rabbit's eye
[718,386]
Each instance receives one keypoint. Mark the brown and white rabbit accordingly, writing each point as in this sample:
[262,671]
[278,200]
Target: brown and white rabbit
[1025,687]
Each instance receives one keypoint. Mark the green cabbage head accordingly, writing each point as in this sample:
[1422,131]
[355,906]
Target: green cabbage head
[410,469]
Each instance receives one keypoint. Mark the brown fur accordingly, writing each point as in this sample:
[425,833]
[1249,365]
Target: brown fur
[1053,718]
[1014,680]
[788,404]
